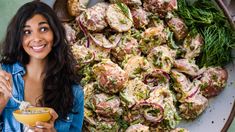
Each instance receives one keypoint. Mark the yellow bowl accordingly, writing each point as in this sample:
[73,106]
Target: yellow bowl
[32,115]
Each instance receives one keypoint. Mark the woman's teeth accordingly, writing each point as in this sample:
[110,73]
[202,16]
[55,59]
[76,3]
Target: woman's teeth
[38,47]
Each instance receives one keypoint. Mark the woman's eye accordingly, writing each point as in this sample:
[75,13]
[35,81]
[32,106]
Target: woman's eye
[27,32]
[44,29]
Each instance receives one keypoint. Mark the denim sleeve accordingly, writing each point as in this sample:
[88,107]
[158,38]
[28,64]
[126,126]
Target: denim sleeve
[1,123]
[79,107]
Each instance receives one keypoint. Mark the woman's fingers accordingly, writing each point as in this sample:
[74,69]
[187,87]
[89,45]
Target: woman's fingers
[4,91]
[6,77]
[54,116]
[38,129]
[5,74]
[44,125]
[47,126]
[5,83]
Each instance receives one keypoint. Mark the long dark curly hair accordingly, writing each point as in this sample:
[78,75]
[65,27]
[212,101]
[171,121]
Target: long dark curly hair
[60,72]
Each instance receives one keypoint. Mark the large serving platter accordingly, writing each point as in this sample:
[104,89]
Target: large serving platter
[221,109]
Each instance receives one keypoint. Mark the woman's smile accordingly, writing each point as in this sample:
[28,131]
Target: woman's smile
[38,48]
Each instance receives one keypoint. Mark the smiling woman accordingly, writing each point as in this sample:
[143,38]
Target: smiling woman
[38,67]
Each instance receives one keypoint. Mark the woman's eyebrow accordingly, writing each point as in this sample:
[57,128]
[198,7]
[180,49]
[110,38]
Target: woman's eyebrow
[40,23]
[25,26]
[44,22]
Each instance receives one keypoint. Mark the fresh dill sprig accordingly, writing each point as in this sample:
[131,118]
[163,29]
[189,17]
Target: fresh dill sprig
[125,10]
[204,17]
[214,50]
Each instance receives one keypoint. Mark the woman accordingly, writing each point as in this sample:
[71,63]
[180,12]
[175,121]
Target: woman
[38,67]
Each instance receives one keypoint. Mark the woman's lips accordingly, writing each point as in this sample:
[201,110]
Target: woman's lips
[38,48]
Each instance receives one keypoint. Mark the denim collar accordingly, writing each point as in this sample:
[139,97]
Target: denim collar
[18,68]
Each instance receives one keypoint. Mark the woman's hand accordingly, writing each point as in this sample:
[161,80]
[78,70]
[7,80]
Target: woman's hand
[47,126]
[5,88]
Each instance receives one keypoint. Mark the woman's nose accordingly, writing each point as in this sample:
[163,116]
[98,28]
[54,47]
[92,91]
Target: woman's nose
[36,37]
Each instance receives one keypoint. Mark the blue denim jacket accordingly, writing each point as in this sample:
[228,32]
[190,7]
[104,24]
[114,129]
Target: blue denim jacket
[73,122]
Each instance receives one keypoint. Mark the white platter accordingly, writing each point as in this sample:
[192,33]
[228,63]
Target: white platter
[221,110]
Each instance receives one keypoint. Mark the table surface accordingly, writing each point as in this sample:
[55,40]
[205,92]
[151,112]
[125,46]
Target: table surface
[7,10]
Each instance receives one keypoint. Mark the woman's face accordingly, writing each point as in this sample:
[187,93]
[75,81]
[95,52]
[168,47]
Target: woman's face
[37,37]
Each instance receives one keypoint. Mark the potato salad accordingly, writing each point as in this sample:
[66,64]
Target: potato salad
[138,63]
